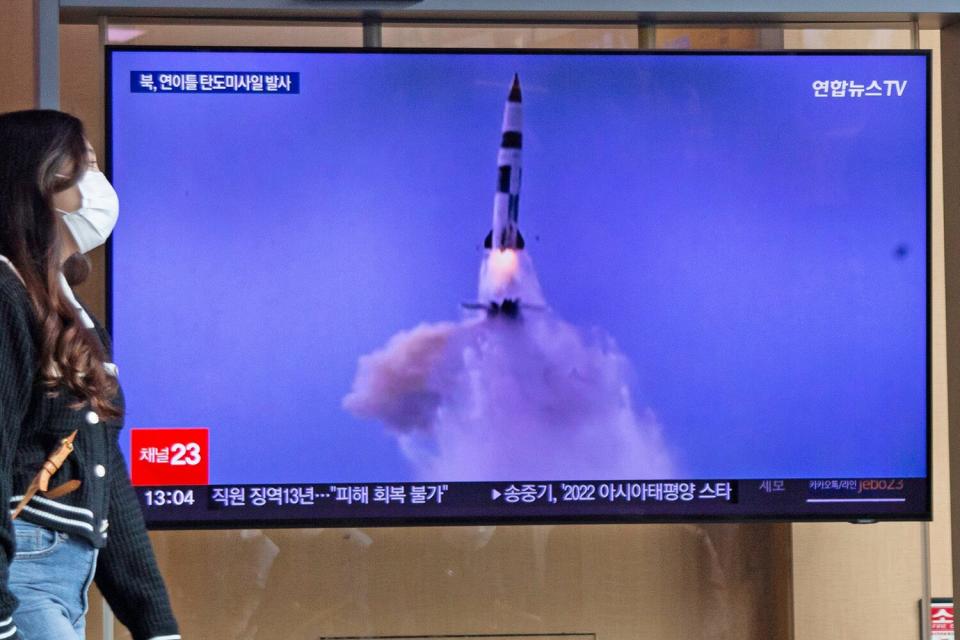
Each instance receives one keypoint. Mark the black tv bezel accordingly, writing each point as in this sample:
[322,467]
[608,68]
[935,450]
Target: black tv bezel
[866,516]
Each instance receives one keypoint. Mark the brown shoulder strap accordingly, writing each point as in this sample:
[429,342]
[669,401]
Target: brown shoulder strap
[41,481]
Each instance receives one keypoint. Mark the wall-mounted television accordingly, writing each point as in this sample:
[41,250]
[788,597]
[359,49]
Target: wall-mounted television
[376,287]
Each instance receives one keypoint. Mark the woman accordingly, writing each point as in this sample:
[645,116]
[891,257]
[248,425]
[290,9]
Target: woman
[56,378]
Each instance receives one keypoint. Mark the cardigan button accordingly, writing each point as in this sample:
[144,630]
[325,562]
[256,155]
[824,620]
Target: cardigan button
[92,417]
[100,470]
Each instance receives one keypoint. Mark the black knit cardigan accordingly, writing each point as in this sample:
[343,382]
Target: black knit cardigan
[104,510]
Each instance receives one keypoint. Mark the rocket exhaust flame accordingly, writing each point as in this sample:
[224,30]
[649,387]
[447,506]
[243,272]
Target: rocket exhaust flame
[529,397]
[503,266]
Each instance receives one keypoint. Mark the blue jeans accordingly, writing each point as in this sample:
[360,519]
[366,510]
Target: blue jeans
[50,575]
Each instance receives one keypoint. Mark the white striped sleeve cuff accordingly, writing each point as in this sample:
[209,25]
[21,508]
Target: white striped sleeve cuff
[7,629]
[173,637]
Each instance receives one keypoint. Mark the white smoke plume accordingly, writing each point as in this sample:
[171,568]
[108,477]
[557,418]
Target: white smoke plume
[494,398]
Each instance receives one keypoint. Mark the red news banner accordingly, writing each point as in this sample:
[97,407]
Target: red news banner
[169,457]
[941,621]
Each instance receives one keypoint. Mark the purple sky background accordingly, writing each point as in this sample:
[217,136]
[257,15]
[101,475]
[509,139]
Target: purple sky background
[757,253]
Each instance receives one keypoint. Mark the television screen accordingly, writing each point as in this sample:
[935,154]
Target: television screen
[428,287]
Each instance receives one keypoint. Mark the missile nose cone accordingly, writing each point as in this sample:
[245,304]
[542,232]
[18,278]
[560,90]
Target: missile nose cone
[515,89]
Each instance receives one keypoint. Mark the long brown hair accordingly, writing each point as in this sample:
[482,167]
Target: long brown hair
[36,146]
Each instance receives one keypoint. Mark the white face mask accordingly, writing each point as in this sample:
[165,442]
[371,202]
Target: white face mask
[93,222]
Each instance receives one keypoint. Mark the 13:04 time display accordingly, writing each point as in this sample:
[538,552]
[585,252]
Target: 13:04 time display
[164,497]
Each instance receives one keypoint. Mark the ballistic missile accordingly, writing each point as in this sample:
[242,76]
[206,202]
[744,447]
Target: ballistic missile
[508,285]
[506,202]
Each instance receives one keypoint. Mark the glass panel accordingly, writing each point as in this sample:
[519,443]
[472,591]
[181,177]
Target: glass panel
[876,570]
[818,38]
[881,571]
[239,34]
[669,582]
[512,36]
[658,581]
[941,567]
[709,37]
